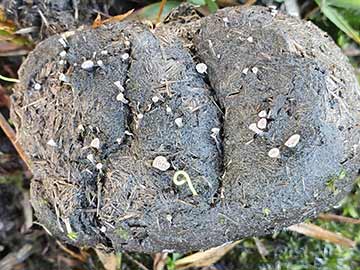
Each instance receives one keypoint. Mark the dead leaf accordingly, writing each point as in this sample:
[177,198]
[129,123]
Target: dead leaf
[204,258]
[317,232]
[118,18]
[160,260]
[332,217]
[261,247]
[109,261]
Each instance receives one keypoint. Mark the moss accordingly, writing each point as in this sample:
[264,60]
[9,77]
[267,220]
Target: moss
[122,233]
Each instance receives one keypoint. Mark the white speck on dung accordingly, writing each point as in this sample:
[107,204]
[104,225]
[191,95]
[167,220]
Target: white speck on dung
[140,116]
[262,114]
[226,20]
[87,65]
[99,166]
[90,157]
[37,86]
[253,127]
[125,56]
[119,86]
[155,99]
[161,163]
[63,77]
[274,153]
[293,141]
[51,142]
[120,97]
[168,109]
[104,52]
[255,70]
[250,39]
[81,128]
[63,54]
[261,124]
[128,133]
[201,68]
[245,70]
[100,63]
[95,143]
[179,122]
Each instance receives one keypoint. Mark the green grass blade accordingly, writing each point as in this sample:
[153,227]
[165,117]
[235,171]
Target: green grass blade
[339,20]
[349,4]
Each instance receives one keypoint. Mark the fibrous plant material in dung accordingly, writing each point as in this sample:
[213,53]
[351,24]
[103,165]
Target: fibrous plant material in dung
[255,113]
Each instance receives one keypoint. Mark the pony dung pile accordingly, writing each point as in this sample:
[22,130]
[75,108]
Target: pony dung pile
[183,137]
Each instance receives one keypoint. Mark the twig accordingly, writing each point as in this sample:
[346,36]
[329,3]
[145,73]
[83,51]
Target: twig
[333,217]
[161,9]
[79,257]
[10,133]
[139,264]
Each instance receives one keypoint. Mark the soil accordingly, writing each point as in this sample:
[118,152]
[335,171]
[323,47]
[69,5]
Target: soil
[44,18]
[95,107]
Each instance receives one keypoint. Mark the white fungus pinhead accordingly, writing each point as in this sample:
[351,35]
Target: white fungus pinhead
[90,157]
[201,68]
[179,122]
[87,65]
[62,54]
[104,52]
[125,56]
[119,86]
[253,127]
[155,99]
[261,124]
[245,71]
[168,109]
[262,114]
[255,70]
[95,143]
[161,163]
[99,166]
[120,97]
[250,39]
[274,153]
[51,142]
[37,86]
[292,141]
[63,78]
[100,63]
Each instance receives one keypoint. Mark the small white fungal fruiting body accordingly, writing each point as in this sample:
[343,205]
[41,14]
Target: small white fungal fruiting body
[51,142]
[253,127]
[95,143]
[37,86]
[255,70]
[292,141]
[161,163]
[63,78]
[100,63]
[99,166]
[261,124]
[87,65]
[120,97]
[90,157]
[155,99]
[125,56]
[119,86]
[179,122]
[63,54]
[201,68]
[250,39]
[104,52]
[245,71]
[262,114]
[274,153]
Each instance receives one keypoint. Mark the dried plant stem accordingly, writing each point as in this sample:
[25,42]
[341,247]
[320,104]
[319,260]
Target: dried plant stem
[10,133]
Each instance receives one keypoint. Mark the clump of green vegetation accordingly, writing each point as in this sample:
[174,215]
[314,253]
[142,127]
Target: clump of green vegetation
[122,233]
